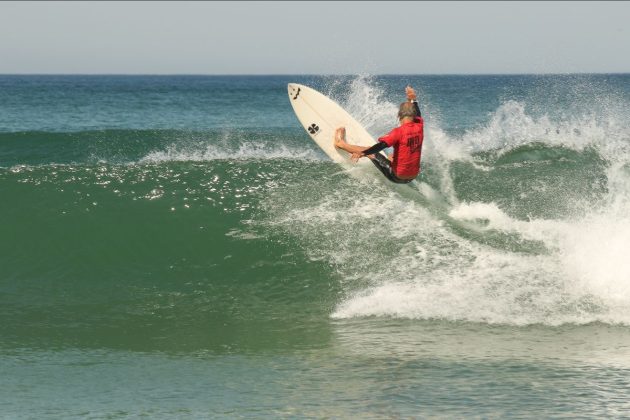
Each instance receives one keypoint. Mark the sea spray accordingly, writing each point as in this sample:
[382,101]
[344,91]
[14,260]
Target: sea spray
[475,282]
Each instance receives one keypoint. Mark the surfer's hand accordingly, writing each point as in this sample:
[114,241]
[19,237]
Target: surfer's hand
[356,156]
[411,94]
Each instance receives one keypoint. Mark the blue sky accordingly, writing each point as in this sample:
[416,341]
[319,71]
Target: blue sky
[314,37]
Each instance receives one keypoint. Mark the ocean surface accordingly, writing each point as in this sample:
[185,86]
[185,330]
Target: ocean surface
[177,247]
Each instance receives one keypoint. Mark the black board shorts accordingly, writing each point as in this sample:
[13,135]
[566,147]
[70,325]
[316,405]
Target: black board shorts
[385,166]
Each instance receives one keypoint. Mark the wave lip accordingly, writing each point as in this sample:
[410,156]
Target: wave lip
[511,126]
[245,151]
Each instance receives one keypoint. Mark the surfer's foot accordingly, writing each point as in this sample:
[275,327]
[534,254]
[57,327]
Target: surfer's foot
[340,138]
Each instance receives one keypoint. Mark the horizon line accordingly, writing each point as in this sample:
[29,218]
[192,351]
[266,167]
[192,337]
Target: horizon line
[316,74]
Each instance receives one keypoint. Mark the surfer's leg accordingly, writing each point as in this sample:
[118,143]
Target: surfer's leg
[340,142]
[383,165]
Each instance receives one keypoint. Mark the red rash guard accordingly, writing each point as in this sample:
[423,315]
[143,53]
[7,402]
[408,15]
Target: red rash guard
[407,143]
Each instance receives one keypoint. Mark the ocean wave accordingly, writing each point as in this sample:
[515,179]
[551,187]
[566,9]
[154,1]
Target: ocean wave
[512,181]
[560,182]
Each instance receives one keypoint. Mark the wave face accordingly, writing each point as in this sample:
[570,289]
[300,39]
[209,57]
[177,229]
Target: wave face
[143,212]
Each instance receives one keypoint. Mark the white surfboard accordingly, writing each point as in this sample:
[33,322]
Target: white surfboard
[321,116]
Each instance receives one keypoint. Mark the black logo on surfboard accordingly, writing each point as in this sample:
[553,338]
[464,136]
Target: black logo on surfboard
[297,94]
[313,129]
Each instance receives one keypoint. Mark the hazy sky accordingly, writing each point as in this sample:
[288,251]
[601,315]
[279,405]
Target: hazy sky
[314,37]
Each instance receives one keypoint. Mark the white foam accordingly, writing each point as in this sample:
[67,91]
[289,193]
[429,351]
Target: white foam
[434,274]
[397,258]
[483,211]
[594,252]
[244,151]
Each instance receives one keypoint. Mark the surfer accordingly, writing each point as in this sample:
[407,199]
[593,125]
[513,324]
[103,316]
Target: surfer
[406,140]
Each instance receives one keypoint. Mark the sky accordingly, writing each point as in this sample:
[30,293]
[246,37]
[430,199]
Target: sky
[314,37]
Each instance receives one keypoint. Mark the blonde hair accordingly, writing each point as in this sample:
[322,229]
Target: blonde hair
[406,110]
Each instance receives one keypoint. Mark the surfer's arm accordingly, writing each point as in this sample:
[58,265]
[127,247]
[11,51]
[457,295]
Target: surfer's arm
[417,107]
[411,97]
[375,149]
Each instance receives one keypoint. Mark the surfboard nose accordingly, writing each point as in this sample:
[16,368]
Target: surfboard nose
[294,90]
